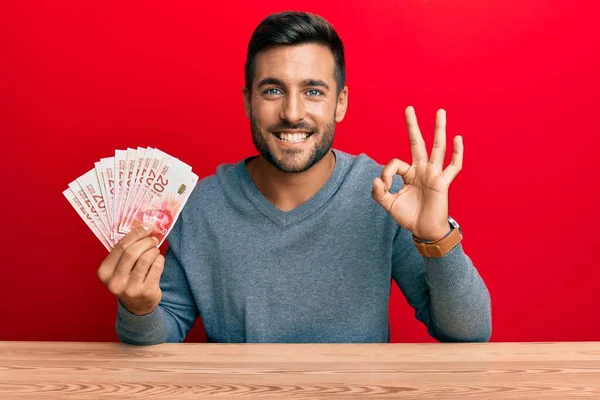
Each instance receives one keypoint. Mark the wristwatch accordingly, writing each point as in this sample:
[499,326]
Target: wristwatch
[443,246]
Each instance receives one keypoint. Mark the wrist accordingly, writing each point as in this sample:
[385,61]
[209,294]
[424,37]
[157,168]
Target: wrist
[443,245]
[137,310]
[441,234]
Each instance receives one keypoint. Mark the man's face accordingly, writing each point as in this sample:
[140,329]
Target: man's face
[293,107]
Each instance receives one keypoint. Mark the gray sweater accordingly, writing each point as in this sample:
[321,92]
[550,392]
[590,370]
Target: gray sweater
[321,272]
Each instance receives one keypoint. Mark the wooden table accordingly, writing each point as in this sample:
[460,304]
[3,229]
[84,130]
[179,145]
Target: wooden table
[57,370]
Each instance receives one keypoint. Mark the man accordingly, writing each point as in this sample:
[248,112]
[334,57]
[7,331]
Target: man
[301,243]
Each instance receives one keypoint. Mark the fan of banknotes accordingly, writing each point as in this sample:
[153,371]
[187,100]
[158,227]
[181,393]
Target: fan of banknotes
[143,186]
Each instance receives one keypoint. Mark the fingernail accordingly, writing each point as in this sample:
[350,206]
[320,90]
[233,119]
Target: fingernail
[147,227]
[155,239]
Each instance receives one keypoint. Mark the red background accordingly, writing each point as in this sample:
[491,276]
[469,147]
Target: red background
[518,79]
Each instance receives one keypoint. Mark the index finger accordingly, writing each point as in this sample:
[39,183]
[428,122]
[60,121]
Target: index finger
[417,144]
[132,237]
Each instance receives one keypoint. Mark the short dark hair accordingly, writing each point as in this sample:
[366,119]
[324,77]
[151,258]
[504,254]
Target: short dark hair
[291,28]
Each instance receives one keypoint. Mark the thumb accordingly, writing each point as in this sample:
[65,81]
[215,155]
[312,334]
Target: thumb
[381,195]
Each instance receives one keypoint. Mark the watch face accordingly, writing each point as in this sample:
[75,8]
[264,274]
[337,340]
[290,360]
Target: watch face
[454,224]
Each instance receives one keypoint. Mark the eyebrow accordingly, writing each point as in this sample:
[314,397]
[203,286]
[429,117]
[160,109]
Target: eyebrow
[315,82]
[270,81]
[306,82]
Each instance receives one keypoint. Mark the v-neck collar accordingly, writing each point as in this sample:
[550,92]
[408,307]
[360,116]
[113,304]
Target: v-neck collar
[305,209]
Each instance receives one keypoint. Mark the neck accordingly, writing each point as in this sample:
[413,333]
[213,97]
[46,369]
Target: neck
[289,190]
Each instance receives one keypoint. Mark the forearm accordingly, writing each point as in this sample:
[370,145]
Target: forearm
[159,326]
[460,305]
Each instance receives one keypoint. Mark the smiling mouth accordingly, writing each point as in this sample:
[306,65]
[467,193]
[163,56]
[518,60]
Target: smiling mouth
[292,137]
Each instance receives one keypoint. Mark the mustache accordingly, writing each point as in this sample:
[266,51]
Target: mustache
[284,126]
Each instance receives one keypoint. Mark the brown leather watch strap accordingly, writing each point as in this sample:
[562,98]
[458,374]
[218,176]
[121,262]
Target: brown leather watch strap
[441,247]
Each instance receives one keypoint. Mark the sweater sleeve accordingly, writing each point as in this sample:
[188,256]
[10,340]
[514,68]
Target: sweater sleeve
[176,313]
[447,293]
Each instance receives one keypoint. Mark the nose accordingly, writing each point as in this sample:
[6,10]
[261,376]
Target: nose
[292,108]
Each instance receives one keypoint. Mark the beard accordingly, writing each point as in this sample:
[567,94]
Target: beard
[292,160]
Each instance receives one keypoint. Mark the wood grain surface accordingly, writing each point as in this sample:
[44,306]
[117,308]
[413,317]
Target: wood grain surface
[80,370]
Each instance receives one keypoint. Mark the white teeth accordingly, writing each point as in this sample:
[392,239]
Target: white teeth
[293,137]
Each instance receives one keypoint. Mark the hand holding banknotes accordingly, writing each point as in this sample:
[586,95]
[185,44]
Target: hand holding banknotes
[132,271]
[131,202]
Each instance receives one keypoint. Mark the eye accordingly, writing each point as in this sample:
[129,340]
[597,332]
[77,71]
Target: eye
[314,92]
[272,91]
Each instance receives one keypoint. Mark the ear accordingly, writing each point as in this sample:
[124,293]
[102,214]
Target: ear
[342,105]
[247,106]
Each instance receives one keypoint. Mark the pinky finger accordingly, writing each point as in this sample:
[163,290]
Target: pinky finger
[455,166]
